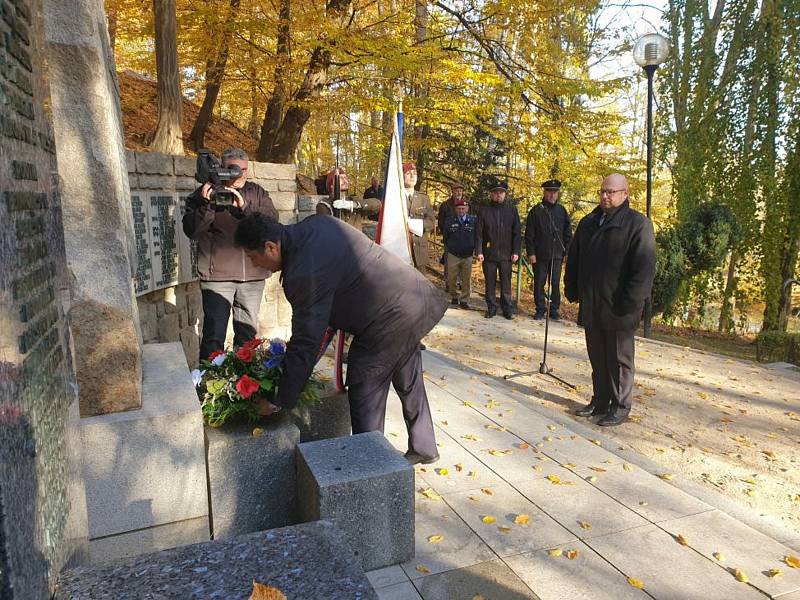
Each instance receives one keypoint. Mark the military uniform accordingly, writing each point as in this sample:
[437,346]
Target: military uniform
[419,207]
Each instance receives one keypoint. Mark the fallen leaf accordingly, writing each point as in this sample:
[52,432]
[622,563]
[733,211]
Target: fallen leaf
[599,469]
[499,452]
[681,540]
[592,478]
[547,438]
[435,539]
[667,476]
[792,561]
[774,573]
[488,519]
[423,569]
[637,583]
[504,529]
[523,446]
[555,552]
[445,423]
[470,437]
[266,592]
[257,431]
[487,491]
[740,576]
[595,442]
[430,494]
[719,556]
[522,519]
[555,479]
[570,466]
[627,467]
[585,525]
[703,395]
[473,474]
[551,427]
[571,554]
[459,467]
[442,471]
[467,403]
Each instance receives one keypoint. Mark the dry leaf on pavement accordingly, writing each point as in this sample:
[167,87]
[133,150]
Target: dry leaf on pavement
[555,552]
[740,576]
[681,540]
[522,519]
[488,519]
[266,592]
[637,583]
[435,539]
[572,554]
[423,569]
[792,561]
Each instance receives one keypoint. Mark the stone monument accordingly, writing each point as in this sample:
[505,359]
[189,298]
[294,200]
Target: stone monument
[40,497]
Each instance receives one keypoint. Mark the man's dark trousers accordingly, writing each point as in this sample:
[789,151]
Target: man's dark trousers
[368,403]
[218,298]
[490,269]
[611,354]
[541,271]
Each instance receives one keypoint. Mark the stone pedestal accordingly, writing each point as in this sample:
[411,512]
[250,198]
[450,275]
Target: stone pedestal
[366,488]
[251,476]
[97,218]
[311,561]
[144,469]
[327,418]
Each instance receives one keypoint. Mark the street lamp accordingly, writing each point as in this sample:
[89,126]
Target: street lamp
[650,51]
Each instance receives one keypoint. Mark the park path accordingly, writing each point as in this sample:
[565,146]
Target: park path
[522,505]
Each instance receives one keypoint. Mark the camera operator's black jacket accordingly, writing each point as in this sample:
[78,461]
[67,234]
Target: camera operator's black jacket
[213,228]
[610,268]
[497,234]
[539,231]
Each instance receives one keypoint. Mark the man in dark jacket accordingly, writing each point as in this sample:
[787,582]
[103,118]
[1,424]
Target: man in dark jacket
[459,245]
[497,244]
[375,190]
[610,270]
[548,232]
[335,276]
[227,279]
[448,207]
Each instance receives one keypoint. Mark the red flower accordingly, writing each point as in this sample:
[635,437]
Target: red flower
[247,386]
[253,344]
[215,354]
[244,354]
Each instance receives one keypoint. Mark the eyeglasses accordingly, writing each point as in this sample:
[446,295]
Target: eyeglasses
[610,192]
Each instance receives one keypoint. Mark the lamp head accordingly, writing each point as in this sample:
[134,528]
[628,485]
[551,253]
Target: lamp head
[651,50]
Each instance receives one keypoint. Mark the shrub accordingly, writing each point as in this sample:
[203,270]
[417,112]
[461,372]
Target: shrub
[778,346]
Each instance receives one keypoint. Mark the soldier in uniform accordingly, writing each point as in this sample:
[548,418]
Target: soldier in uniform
[419,207]
[361,214]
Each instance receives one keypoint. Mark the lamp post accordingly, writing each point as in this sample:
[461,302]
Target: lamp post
[650,51]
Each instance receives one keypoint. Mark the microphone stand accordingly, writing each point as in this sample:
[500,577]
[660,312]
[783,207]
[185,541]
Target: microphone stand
[544,369]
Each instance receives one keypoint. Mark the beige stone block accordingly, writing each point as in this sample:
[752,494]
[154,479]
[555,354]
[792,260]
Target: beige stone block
[169,328]
[284,200]
[130,160]
[154,163]
[287,217]
[157,182]
[273,170]
[287,185]
[185,166]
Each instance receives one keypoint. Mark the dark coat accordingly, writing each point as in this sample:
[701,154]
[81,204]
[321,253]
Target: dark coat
[459,238]
[213,228]
[497,234]
[371,192]
[610,269]
[446,209]
[539,231]
[334,276]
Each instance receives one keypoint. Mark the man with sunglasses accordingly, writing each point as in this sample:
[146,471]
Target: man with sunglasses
[610,269]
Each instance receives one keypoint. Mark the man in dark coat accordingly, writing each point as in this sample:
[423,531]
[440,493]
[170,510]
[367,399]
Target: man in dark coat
[375,190]
[227,279]
[459,244]
[610,270]
[335,276]
[547,220]
[448,207]
[497,245]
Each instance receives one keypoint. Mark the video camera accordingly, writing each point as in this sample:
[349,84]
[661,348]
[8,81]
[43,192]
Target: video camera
[209,170]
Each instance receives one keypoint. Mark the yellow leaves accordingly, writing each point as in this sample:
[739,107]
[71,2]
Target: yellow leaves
[551,427]
[599,469]
[522,519]
[257,431]
[627,467]
[471,438]
[681,540]
[472,474]
[435,539]
[585,525]
[770,454]
[555,552]
[570,466]
[487,491]
[637,583]
[494,452]
[792,561]
[523,446]
[592,478]
[667,476]
[422,569]
[442,472]
[703,395]
[445,423]
[740,576]
[595,442]
[719,556]
[467,403]
[554,479]
[265,592]
[572,554]
[488,519]
[774,573]
[430,494]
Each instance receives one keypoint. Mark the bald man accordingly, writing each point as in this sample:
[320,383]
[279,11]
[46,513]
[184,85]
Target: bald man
[610,269]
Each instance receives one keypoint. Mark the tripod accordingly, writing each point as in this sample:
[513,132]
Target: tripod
[543,368]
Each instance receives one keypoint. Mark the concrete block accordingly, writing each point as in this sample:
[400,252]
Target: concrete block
[157,182]
[273,170]
[284,200]
[287,185]
[154,163]
[251,479]
[144,541]
[490,579]
[287,217]
[271,185]
[133,181]
[185,166]
[328,418]
[367,488]
[307,561]
[186,184]
[130,160]
[146,467]
[387,576]
[169,327]
[307,203]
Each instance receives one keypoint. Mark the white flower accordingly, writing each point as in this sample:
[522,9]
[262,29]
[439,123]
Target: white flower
[197,377]
[218,360]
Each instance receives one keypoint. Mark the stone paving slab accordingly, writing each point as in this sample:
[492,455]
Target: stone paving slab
[505,536]
[742,547]
[669,570]
[643,493]
[578,502]
[587,577]
[491,580]
[398,591]
[387,576]
[459,547]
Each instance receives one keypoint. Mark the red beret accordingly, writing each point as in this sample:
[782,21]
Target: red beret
[461,202]
[409,166]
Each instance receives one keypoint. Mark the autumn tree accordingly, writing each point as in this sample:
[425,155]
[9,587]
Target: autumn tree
[168,137]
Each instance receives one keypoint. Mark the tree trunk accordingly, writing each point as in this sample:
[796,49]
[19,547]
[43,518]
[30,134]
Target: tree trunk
[112,29]
[168,137]
[726,322]
[215,73]
[273,118]
[421,132]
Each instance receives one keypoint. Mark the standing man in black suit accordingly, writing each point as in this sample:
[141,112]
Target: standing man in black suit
[547,220]
[610,270]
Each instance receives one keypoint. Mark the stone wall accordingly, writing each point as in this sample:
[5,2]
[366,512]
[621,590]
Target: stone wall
[174,313]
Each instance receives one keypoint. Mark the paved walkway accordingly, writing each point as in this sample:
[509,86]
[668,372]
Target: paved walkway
[521,507]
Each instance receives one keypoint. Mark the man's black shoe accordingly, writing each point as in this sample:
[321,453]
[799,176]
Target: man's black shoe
[489,314]
[464,304]
[508,316]
[555,315]
[454,301]
[538,316]
[590,410]
[414,458]
[611,420]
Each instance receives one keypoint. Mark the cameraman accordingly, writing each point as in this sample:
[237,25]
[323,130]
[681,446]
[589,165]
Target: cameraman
[227,278]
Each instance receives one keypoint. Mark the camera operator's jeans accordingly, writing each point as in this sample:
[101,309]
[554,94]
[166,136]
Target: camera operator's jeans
[218,299]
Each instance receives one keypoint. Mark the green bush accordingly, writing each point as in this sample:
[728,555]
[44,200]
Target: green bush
[670,269]
[778,346]
[707,236]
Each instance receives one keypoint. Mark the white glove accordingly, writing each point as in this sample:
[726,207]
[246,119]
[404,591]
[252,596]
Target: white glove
[416,226]
[344,204]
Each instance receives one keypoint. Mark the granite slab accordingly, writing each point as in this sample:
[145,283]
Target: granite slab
[492,580]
